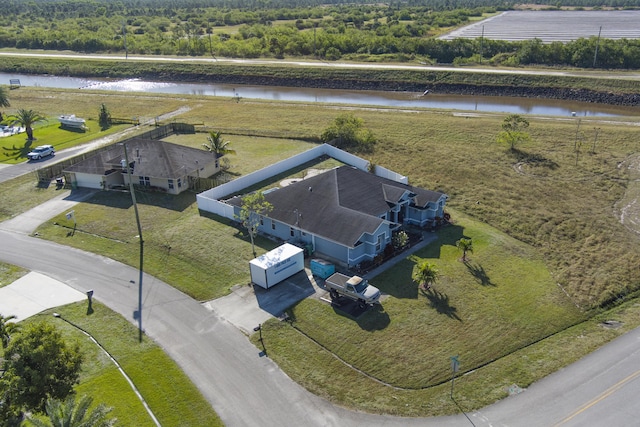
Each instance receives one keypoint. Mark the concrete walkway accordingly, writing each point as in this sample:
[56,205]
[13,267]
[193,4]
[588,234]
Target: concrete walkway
[34,293]
[29,221]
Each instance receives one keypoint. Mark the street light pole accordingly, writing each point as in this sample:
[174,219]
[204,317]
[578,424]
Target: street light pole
[135,208]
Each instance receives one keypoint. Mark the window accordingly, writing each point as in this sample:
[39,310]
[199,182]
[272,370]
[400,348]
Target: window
[379,244]
[261,220]
[171,184]
[291,231]
[179,182]
[273,225]
[217,163]
[144,180]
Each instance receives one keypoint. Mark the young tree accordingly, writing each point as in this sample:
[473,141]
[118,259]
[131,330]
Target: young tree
[348,131]
[27,118]
[72,413]
[465,245]
[253,207]
[104,119]
[38,365]
[7,328]
[217,145]
[426,274]
[513,130]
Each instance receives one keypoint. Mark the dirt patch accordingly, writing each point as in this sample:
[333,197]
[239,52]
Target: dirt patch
[308,174]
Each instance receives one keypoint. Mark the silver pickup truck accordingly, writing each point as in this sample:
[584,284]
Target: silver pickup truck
[355,288]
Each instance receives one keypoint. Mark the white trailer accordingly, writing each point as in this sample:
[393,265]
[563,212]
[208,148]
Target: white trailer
[273,267]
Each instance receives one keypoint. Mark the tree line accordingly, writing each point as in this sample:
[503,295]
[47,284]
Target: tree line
[354,31]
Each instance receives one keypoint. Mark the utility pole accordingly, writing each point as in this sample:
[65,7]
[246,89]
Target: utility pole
[595,55]
[135,208]
[481,44]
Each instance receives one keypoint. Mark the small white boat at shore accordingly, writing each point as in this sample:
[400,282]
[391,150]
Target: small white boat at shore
[71,121]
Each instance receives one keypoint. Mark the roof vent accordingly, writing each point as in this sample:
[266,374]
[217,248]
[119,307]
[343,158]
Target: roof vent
[310,189]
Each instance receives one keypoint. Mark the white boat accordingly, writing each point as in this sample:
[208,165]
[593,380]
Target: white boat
[71,121]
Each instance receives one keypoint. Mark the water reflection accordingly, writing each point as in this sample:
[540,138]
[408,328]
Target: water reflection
[497,104]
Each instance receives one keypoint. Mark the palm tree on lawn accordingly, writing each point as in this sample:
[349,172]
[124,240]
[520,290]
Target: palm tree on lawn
[7,328]
[465,245]
[217,145]
[73,414]
[27,118]
[426,274]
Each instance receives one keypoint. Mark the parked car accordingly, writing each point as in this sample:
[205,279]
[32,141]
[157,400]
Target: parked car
[41,151]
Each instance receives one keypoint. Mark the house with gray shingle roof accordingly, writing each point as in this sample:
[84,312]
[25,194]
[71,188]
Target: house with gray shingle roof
[153,163]
[346,213]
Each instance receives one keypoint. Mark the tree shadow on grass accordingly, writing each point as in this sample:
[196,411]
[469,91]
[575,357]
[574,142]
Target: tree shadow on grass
[478,273]
[441,303]
[14,152]
[533,159]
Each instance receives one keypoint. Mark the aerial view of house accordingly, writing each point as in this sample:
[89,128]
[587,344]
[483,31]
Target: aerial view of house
[157,164]
[347,214]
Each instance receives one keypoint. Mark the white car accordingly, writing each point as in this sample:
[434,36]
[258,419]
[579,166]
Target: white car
[41,151]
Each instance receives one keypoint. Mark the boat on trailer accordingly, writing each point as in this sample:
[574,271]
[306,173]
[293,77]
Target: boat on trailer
[72,121]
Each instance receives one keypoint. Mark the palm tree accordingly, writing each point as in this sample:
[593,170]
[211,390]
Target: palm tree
[426,274]
[27,118]
[73,414]
[7,328]
[465,245]
[217,145]
[4,98]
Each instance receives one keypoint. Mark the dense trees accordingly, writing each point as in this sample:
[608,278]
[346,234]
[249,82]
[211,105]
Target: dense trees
[329,30]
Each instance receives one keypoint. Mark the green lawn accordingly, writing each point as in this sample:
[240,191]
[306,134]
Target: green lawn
[156,376]
[10,273]
[15,148]
[501,300]
[544,220]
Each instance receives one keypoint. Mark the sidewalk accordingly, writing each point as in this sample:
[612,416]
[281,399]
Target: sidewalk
[28,222]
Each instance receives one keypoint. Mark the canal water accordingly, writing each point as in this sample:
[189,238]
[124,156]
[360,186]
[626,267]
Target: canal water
[495,104]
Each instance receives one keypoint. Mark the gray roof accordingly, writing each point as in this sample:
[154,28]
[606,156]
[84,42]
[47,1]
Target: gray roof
[340,204]
[152,158]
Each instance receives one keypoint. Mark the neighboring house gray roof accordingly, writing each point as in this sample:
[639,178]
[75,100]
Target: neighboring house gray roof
[340,204]
[152,158]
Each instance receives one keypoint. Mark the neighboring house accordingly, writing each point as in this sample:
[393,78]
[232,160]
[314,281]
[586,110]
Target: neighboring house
[346,213]
[155,164]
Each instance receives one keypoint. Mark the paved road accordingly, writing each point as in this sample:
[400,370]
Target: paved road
[249,390]
[244,388]
[8,172]
[632,75]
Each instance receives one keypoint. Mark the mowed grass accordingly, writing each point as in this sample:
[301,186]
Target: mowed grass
[10,273]
[15,148]
[502,299]
[154,374]
[544,223]
[204,256]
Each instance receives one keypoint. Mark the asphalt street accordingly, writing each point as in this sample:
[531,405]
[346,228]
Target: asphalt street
[248,389]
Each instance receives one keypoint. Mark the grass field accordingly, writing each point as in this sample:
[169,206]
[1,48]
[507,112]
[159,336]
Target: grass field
[547,209]
[154,374]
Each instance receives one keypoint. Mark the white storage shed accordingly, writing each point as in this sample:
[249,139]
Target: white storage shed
[273,267]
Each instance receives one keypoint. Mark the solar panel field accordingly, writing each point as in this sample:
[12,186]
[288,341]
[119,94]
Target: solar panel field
[550,26]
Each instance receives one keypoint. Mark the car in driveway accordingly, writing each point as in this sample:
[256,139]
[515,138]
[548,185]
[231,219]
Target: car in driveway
[41,151]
